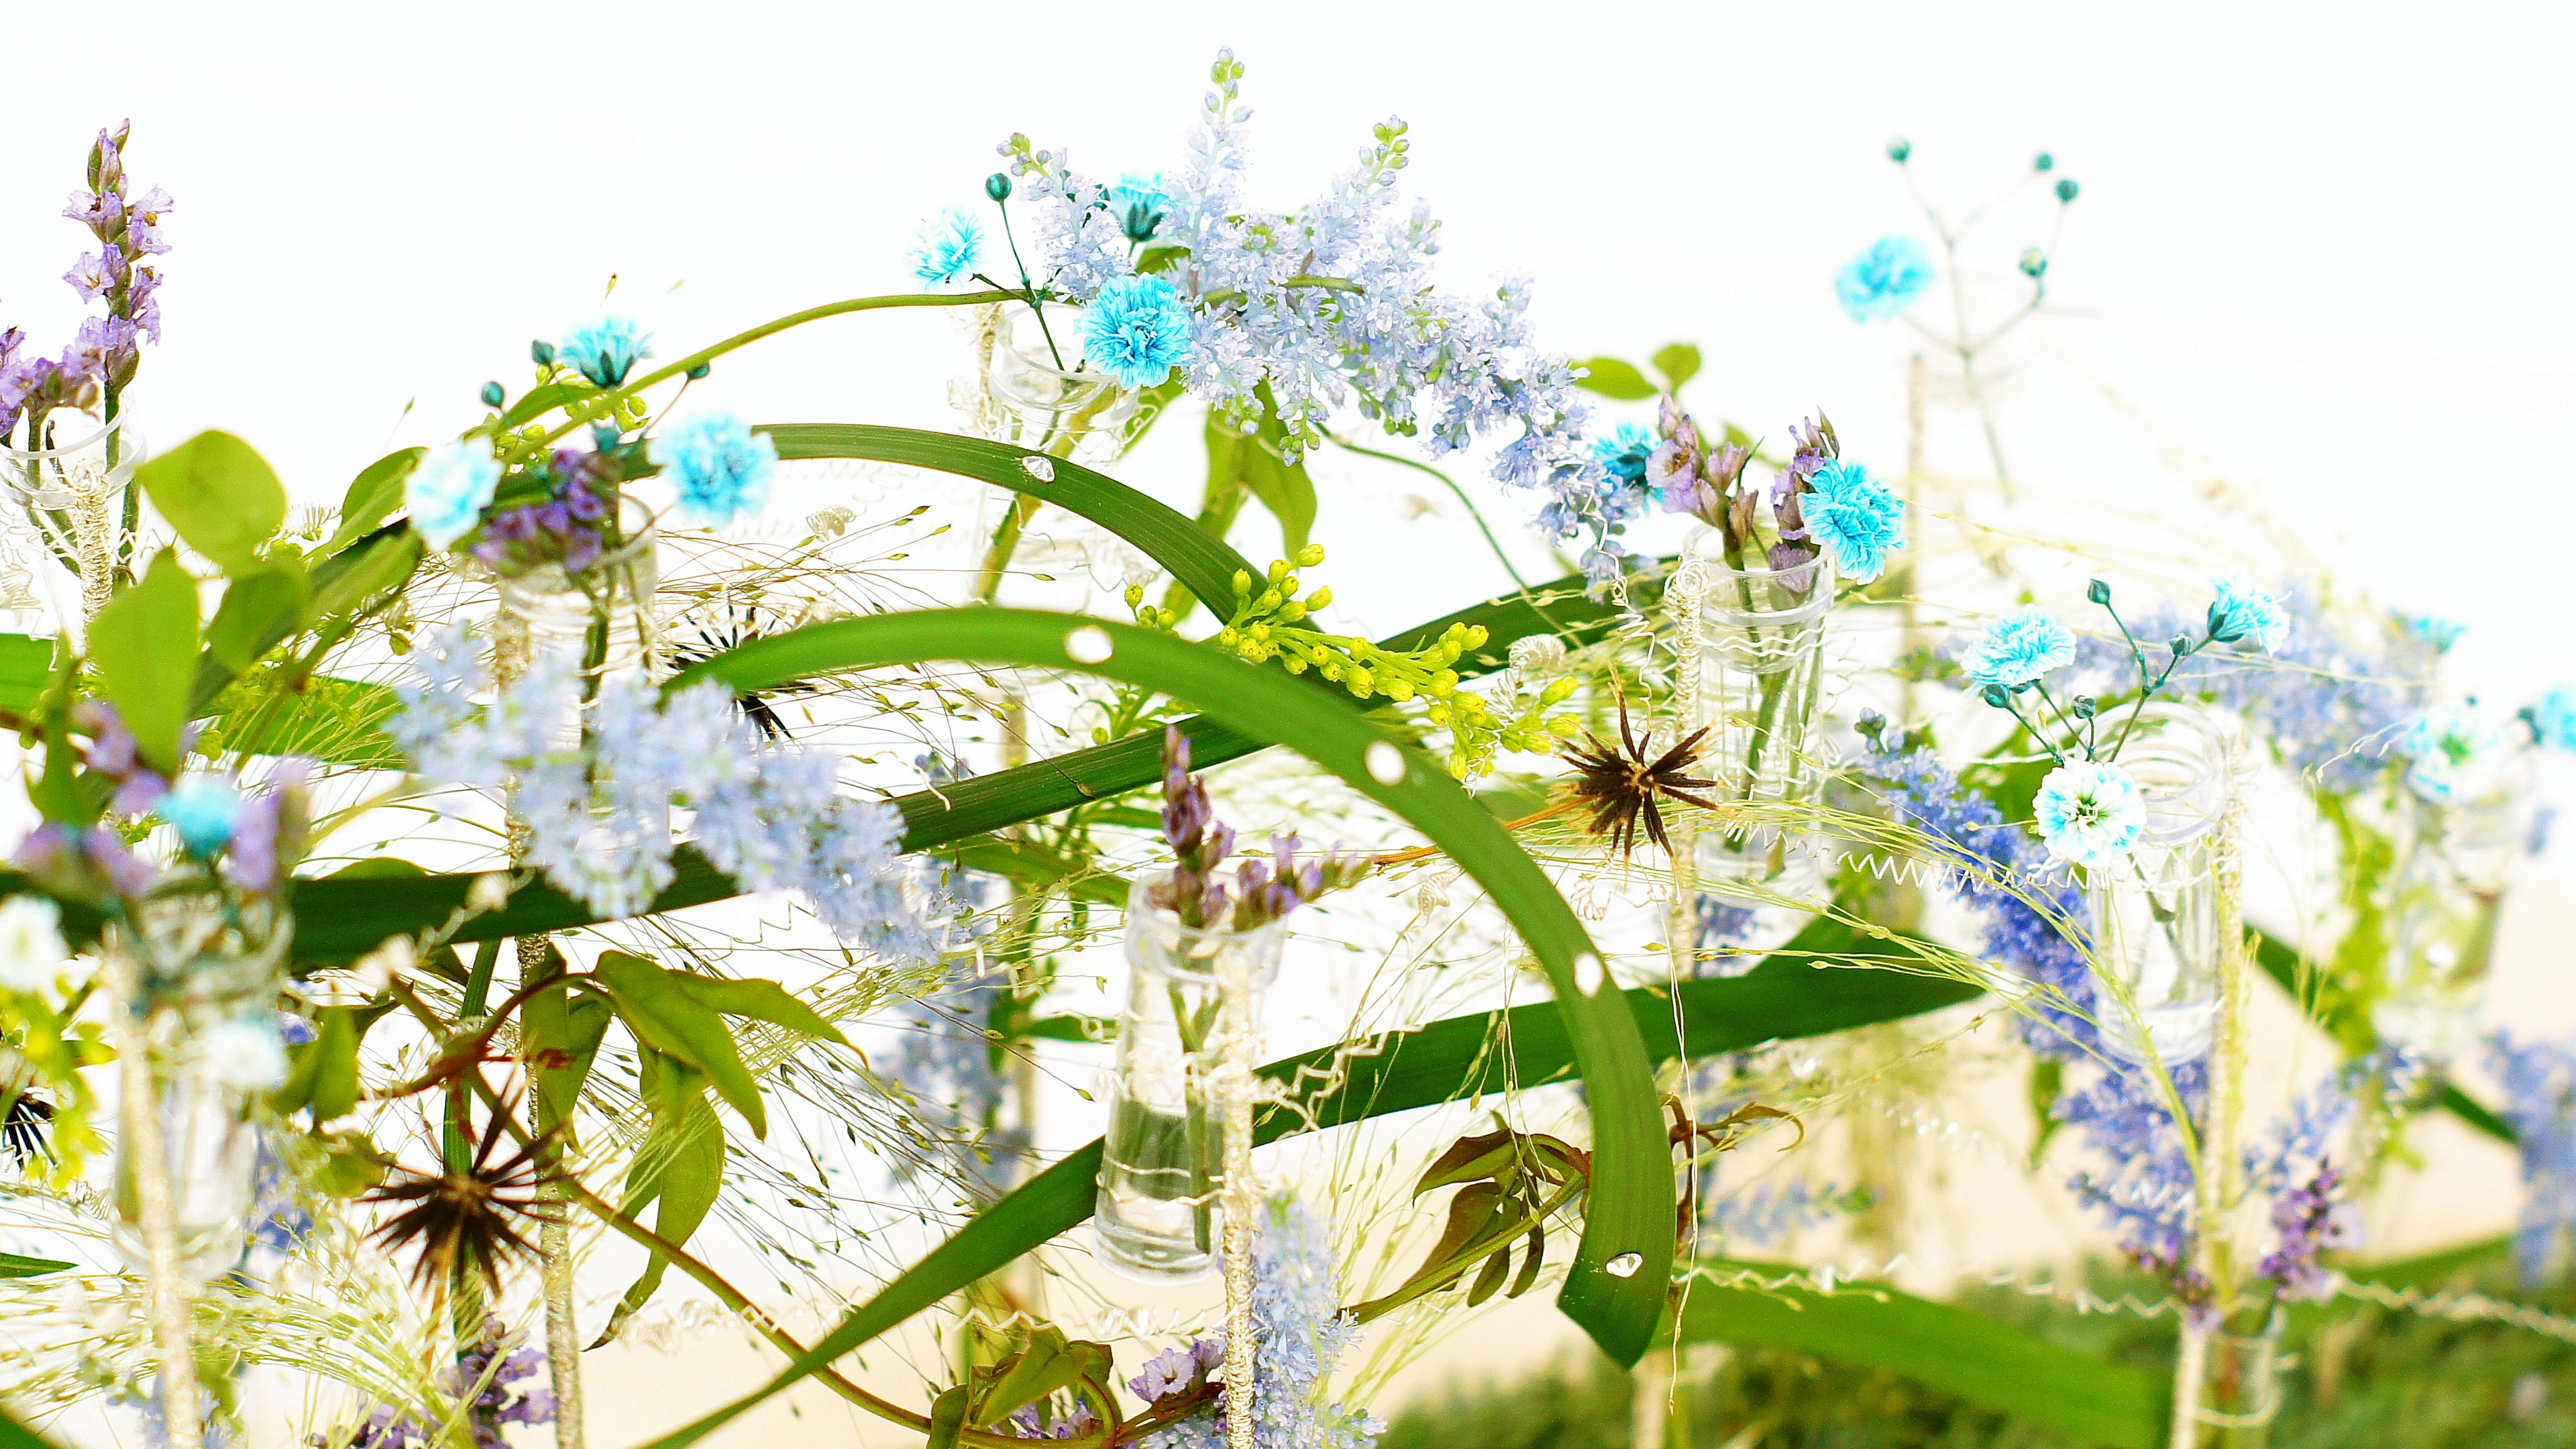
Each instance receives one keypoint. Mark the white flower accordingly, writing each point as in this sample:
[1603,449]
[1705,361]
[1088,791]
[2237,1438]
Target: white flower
[2459,754]
[245,1053]
[2089,813]
[31,944]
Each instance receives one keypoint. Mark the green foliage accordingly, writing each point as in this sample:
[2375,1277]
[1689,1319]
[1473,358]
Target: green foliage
[323,1073]
[670,1019]
[262,604]
[144,643]
[1614,379]
[1255,462]
[220,494]
[679,1168]
[373,496]
[18,1265]
[1678,362]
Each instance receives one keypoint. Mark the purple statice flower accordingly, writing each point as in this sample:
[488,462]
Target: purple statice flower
[278,1221]
[1720,922]
[1025,1423]
[105,353]
[2311,1221]
[1177,1370]
[89,865]
[2539,1080]
[251,863]
[2145,1190]
[1766,1212]
[1263,891]
[563,530]
[493,1372]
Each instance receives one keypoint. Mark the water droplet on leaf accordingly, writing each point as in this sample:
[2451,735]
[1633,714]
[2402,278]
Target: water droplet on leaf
[1624,1266]
[1041,469]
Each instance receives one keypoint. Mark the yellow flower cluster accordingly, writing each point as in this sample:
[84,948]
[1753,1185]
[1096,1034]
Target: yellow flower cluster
[525,445]
[1271,623]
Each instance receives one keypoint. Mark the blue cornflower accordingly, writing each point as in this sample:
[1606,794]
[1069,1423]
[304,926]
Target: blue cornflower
[447,492]
[949,249]
[2019,648]
[2457,753]
[2089,813]
[718,465]
[1854,516]
[203,809]
[1624,452]
[1885,279]
[1136,330]
[2553,720]
[2243,610]
[606,348]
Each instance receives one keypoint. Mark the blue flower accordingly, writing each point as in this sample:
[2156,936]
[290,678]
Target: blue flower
[1137,204]
[1885,279]
[2244,611]
[2457,753]
[2089,813]
[2436,631]
[949,249]
[2018,648]
[2553,720]
[1854,516]
[1624,452]
[606,348]
[447,492]
[718,465]
[203,809]
[1136,330]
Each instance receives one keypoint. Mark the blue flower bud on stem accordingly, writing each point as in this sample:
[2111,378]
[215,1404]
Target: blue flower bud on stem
[493,395]
[997,187]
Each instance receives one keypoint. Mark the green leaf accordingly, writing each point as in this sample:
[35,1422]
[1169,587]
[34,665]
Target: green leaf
[26,667]
[1257,462]
[1037,867]
[373,496]
[679,1168]
[1678,362]
[947,1418]
[361,576]
[221,496]
[1614,379]
[2090,1399]
[558,1022]
[758,999]
[323,1073]
[1785,998]
[666,1017]
[263,604]
[144,643]
[15,1265]
[336,721]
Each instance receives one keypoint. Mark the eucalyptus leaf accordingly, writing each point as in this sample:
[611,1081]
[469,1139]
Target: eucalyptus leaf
[144,642]
[220,494]
[1614,379]
[1678,362]
[262,605]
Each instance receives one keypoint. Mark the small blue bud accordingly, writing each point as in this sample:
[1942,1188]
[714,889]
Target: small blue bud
[1898,149]
[493,395]
[2098,592]
[699,372]
[2085,705]
[2043,162]
[2034,263]
[1998,696]
[542,353]
[2066,188]
[997,186]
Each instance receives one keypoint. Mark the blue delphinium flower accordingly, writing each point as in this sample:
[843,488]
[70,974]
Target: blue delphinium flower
[2089,813]
[605,348]
[1137,330]
[719,467]
[2539,1079]
[2243,611]
[1301,1333]
[2553,719]
[447,492]
[1884,279]
[1854,516]
[949,249]
[2457,753]
[2022,646]
[203,809]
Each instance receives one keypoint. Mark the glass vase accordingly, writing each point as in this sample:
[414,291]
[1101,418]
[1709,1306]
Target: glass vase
[1157,1216]
[2154,913]
[2240,1388]
[601,617]
[1757,639]
[1043,398]
[65,497]
[2449,896]
[190,961]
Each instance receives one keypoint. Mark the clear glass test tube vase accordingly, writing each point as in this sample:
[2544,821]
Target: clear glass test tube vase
[2153,915]
[1757,641]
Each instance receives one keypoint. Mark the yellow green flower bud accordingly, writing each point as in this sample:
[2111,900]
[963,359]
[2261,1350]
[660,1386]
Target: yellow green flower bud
[1319,598]
[1309,556]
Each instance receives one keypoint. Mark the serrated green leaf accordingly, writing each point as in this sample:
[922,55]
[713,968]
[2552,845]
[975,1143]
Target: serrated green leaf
[666,1017]
[144,643]
[759,999]
[220,494]
[1678,362]
[1612,378]
[373,496]
[262,605]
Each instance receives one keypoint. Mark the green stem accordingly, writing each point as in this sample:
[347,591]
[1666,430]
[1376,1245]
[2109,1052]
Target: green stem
[1461,494]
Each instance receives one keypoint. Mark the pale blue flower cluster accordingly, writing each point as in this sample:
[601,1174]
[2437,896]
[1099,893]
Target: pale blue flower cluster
[606,348]
[1884,279]
[1761,1215]
[719,467]
[944,1059]
[769,813]
[1854,517]
[948,250]
[1136,330]
[2539,1079]
[448,490]
[2020,648]
[1301,1333]
[2089,813]
[1331,304]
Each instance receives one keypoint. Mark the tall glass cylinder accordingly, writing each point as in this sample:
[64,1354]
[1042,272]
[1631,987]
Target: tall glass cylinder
[1163,1161]
[1043,398]
[2154,913]
[64,493]
[2449,896]
[2239,1387]
[201,975]
[1757,636]
[601,618]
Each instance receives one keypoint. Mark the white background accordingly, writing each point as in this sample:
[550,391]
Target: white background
[2321,252]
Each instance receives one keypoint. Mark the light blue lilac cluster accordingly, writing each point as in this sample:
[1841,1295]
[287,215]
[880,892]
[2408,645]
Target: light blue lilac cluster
[1330,304]
[500,1394]
[2539,1079]
[945,1059]
[104,354]
[767,812]
[1298,1324]
[1766,1212]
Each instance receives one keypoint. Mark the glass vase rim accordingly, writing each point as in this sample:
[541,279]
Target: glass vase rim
[638,541]
[106,430]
